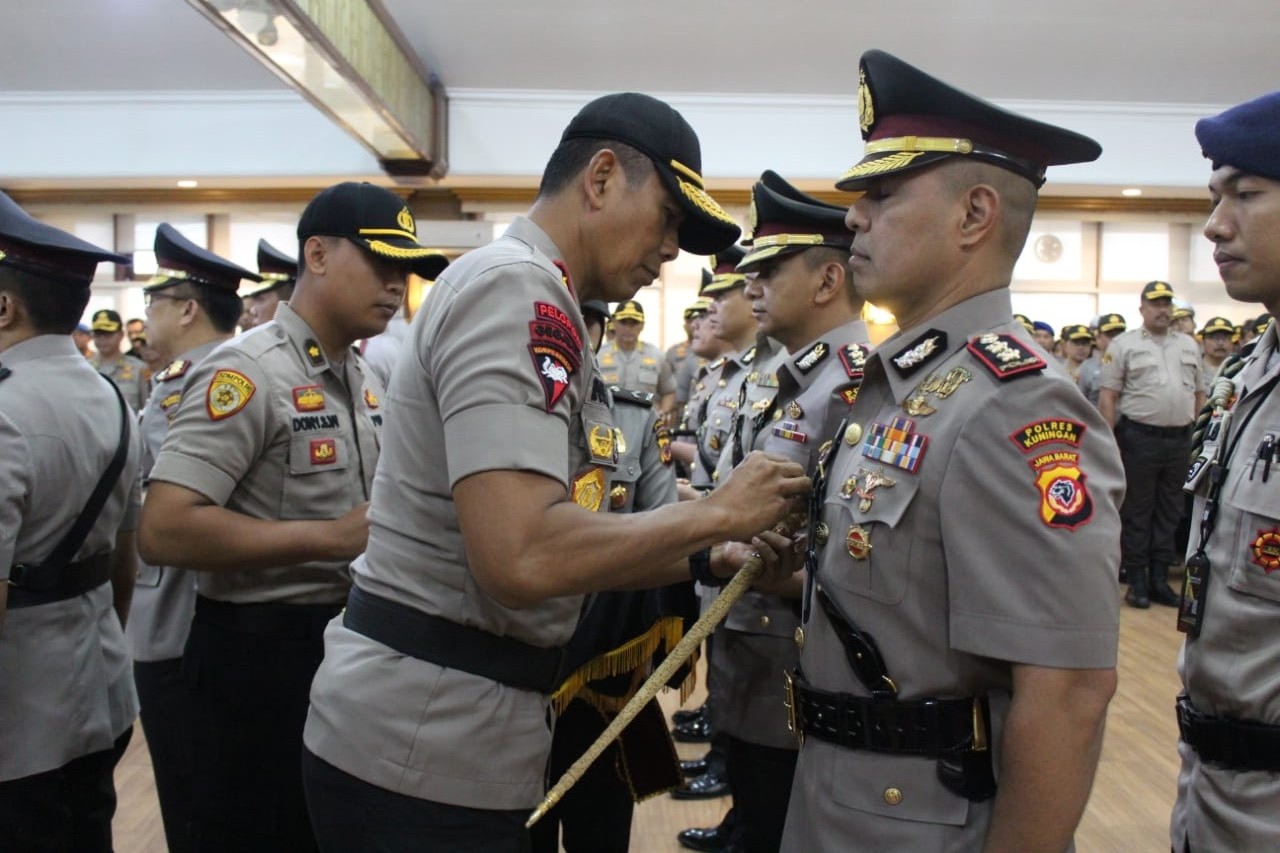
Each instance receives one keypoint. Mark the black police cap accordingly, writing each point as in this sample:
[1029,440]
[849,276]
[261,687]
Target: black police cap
[276,268]
[106,320]
[655,129]
[784,221]
[910,119]
[46,252]
[373,218]
[724,271]
[1245,136]
[179,260]
[596,308]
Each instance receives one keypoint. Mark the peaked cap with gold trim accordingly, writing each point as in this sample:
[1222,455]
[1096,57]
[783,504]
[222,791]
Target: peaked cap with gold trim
[373,218]
[179,260]
[1157,290]
[910,119]
[787,221]
[276,268]
[655,129]
[724,271]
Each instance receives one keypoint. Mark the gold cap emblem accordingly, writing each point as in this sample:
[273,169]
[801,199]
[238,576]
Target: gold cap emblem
[866,108]
[405,220]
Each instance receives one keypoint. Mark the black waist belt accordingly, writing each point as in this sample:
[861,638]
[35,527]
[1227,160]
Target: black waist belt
[30,586]
[1231,743]
[933,728]
[1168,432]
[442,642]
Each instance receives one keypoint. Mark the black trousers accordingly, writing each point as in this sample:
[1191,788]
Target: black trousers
[166,716]
[250,667]
[351,815]
[595,816]
[760,778]
[67,810]
[1155,466]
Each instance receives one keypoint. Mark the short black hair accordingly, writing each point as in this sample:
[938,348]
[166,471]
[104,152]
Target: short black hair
[572,156]
[54,309]
[221,306]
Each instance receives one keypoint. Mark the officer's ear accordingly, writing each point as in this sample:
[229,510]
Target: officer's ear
[601,171]
[831,282]
[11,310]
[315,253]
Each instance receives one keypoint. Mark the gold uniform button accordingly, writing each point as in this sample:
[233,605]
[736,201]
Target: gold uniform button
[764,621]
[892,796]
[799,637]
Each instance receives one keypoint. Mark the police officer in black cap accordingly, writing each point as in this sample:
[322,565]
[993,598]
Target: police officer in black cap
[279,275]
[191,310]
[69,496]
[261,486]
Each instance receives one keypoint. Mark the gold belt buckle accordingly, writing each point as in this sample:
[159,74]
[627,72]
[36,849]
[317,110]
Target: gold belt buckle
[793,723]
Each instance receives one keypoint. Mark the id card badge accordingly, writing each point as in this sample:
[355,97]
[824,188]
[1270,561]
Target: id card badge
[1194,587]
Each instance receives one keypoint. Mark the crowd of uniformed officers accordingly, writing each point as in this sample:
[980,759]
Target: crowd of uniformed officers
[357,614]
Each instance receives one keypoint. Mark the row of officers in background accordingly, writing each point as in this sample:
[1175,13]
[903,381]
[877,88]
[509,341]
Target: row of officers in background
[357,601]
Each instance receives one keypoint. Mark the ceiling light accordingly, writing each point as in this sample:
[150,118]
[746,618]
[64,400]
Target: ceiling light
[349,61]
[1130,192]
[186,185]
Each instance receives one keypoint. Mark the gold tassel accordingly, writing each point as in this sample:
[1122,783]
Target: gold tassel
[662,636]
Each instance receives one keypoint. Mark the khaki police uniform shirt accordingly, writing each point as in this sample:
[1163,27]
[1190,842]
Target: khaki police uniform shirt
[164,597]
[705,387]
[644,368]
[267,427]
[1157,377]
[1089,379]
[131,375]
[715,433]
[1001,547]
[788,418]
[1233,668]
[66,686]
[496,375]
[644,478]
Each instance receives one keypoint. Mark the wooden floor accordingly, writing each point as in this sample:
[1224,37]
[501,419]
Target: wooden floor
[1128,813]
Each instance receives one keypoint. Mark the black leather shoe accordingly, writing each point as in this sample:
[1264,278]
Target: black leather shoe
[698,731]
[1161,594]
[708,839]
[1137,598]
[704,787]
[682,717]
[696,767]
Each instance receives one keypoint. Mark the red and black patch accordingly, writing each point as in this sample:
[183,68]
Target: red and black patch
[554,368]
[1005,356]
[324,451]
[556,348]
[308,398]
[564,274]
[1064,499]
[550,315]
[849,393]
[1049,431]
[662,436]
[854,359]
[1265,550]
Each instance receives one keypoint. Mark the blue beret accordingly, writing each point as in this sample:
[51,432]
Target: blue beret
[1246,137]
[1042,326]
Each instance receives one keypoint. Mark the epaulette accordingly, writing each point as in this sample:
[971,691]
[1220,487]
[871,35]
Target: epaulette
[1005,356]
[715,365]
[626,395]
[749,356]
[854,359]
[175,370]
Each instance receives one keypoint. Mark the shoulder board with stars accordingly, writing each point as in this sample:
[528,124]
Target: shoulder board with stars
[920,352]
[175,370]
[814,356]
[636,398]
[854,359]
[1005,356]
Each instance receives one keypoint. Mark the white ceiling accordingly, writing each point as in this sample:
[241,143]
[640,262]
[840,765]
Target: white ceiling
[1121,55]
